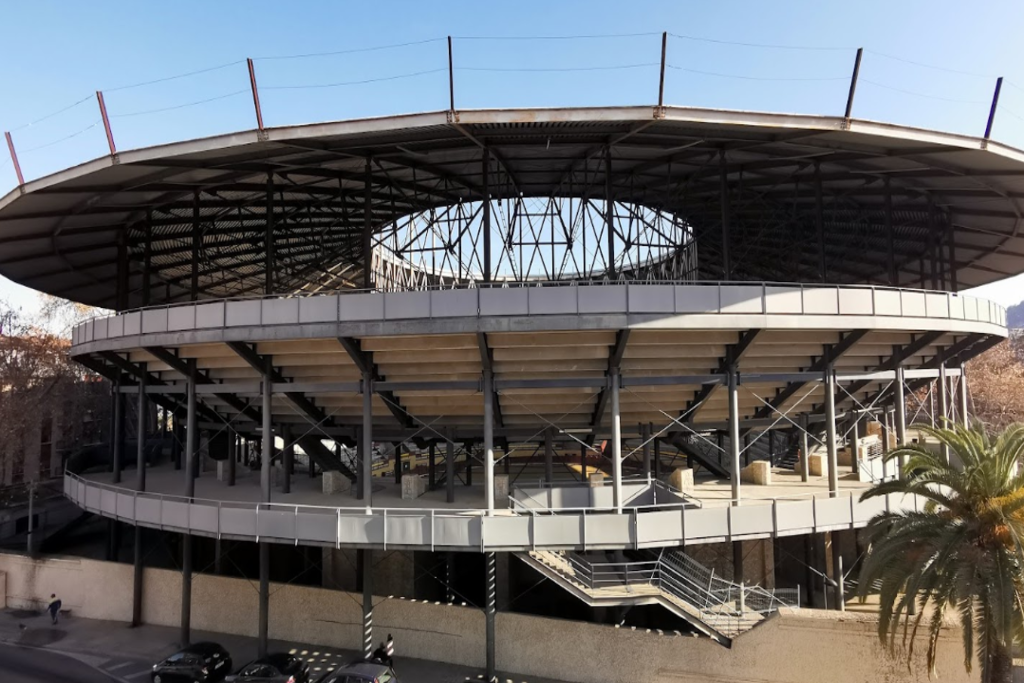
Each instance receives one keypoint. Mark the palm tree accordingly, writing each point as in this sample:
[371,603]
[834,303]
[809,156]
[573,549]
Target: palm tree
[963,551]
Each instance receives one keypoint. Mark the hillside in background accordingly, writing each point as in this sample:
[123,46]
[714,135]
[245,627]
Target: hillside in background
[1015,316]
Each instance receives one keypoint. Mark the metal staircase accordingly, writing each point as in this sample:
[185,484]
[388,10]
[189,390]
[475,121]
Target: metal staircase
[719,609]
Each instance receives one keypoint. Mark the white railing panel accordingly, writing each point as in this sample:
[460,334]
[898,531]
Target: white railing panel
[706,523]
[783,300]
[320,526]
[794,516]
[607,529]
[552,300]
[502,302]
[821,301]
[238,521]
[181,318]
[154,321]
[506,532]
[132,323]
[280,312]
[243,314]
[829,512]
[865,510]
[276,522]
[456,531]
[456,303]
[209,316]
[361,307]
[147,510]
[125,505]
[174,514]
[741,299]
[318,309]
[553,530]
[750,520]
[204,518]
[649,298]
[665,526]
[404,528]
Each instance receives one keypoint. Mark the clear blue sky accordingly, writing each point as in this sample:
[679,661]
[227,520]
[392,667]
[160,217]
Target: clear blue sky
[58,53]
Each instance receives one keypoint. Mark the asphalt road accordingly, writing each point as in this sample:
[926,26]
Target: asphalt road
[25,665]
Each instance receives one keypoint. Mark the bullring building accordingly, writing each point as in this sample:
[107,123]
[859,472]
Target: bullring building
[622,365]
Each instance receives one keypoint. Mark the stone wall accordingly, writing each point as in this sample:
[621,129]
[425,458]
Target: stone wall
[800,646]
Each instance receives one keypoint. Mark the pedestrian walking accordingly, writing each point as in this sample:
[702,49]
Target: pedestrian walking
[54,608]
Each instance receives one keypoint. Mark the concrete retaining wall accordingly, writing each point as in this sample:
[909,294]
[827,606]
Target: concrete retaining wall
[796,647]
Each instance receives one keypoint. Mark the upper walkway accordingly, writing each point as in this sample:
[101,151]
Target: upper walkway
[307,516]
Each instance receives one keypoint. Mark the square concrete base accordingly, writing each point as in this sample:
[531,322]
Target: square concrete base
[336,482]
[681,479]
[596,479]
[818,465]
[758,472]
[413,486]
[501,490]
[222,470]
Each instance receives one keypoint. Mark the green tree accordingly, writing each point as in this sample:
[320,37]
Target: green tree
[961,553]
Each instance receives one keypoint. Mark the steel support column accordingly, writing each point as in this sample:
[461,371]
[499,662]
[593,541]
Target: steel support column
[616,444]
[186,589]
[367,572]
[837,572]
[900,413]
[944,406]
[657,454]
[489,440]
[232,456]
[645,437]
[489,613]
[449,470]
[268,432]
[855,445]
[819,221]
[965,419]
[486,171]
[287,459]
[734,432]
[549,464]
[609,208]
[191,432]
[805,468]
[432,466]
[268,240]
[140,485]
[367,236]
[890,237]
[117,435]
[830,430]
[724,200]
[366,447]
[264,607]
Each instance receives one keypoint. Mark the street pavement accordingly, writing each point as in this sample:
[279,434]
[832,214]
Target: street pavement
[112,652]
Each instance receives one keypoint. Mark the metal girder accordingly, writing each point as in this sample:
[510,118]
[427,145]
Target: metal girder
[364,361]
[614,362]
[832,353]
[101,368]
[966,348]
[899,356]
[179,365]
[733,355]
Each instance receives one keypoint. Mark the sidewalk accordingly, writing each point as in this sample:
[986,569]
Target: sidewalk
[128,654]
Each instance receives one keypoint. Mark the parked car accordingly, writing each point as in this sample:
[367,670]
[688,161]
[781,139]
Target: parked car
[279,667]
[199,663]
[361,672]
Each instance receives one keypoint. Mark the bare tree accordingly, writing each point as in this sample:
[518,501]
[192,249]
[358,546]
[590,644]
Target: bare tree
[996,381]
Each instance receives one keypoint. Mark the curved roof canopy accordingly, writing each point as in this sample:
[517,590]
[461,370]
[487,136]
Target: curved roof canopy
[767,197]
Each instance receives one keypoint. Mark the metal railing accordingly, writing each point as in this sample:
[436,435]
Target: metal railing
[993,313]
[727,607]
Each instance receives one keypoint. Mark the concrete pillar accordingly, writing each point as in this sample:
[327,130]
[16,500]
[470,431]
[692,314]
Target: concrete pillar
[367,576]
[489,612]
[737,561]
[264,600]
[616,444]
[186,589]
[191,432]
[900,414]
[367,445]
[734,433]
[488,440]
[830,430]
[549,465]
[268,433]
[449,470]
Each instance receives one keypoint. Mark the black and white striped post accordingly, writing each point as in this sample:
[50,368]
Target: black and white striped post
[489,612]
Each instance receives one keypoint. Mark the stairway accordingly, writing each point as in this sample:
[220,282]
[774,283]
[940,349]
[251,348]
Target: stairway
[719,609]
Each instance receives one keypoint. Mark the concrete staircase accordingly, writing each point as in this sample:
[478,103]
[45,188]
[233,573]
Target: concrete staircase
[719,609]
